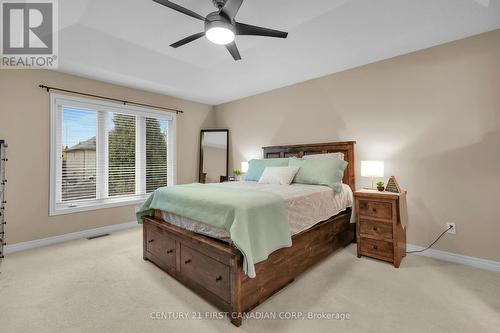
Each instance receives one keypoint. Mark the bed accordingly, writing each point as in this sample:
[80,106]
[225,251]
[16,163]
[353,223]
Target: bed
[205,260]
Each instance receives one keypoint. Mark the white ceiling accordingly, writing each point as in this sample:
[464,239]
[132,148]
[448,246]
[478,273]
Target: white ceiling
[127,41]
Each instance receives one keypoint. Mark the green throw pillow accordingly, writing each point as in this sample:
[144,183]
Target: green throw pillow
[328,171]
[256,167]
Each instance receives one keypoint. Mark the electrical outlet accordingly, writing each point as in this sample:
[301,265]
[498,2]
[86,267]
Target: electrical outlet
[453,229]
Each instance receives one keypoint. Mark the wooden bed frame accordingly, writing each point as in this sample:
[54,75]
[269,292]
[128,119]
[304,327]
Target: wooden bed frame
[213,269]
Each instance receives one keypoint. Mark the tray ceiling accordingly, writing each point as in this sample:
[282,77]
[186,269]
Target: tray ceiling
[127,41]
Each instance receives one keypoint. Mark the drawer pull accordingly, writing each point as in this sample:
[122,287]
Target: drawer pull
[374,210]
[375,228]
[217,279]
[375,247]
[187,261]
[170,251]
[151,241]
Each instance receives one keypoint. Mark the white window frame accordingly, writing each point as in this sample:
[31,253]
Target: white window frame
[57,101]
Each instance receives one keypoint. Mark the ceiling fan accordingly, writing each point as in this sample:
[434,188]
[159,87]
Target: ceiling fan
[221,26]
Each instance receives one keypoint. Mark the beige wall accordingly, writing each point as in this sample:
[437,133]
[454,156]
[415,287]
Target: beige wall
[24,123]
[434,118]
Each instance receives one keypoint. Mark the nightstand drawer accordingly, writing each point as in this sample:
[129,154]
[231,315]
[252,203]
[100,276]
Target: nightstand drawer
[373,229]
[381,210]
[377,248]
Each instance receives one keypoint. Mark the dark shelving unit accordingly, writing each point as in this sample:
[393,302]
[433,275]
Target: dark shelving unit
[3,202]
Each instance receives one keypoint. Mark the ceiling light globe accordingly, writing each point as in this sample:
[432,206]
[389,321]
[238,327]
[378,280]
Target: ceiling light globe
[220,35]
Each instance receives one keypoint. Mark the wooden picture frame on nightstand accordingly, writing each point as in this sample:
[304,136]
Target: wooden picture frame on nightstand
[379,231]
[393,186]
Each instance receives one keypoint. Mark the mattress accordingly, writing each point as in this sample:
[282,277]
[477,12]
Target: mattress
[306,205]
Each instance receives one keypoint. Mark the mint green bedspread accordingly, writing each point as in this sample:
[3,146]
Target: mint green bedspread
[257,221]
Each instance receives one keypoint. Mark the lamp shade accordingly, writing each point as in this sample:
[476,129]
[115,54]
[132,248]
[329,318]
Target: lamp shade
[244,167]
[372,169]
[220,35]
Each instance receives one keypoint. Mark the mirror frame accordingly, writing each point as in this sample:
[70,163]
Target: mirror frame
[200,167]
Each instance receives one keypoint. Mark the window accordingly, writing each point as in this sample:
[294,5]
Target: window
[107,154]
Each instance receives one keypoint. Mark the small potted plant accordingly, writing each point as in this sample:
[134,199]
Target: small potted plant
[380,186]
[238,174]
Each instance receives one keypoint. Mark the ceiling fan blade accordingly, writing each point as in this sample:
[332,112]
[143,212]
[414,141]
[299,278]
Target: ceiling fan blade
[181,9]
[188,40]
[231,8]
[247,29]
[233,49]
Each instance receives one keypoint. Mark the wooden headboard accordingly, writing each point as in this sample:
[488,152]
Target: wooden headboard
[346,147]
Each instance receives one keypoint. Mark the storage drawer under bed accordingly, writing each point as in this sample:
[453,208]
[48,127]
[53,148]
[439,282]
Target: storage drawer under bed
[208,270]
[160,245]
[205,271]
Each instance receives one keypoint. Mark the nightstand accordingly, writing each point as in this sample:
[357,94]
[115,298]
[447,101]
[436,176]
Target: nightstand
[380,233]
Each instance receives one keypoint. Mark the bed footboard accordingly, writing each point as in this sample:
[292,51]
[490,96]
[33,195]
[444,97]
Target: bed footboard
[213,269]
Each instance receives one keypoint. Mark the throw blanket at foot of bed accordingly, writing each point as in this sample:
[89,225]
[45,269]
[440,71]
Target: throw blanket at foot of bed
[257,221]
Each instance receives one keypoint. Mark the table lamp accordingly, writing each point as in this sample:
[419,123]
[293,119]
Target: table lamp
[244,167]
[372,169]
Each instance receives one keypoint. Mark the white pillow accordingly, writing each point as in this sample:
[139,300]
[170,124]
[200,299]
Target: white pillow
[340,156]
[278,175]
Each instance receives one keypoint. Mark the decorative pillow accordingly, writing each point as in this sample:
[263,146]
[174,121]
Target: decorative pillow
[256,167]
[278,175]
[340,156]
[320,171]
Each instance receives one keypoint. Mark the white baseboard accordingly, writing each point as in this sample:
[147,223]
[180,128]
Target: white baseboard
[489,265]
[431,253]
[67,237]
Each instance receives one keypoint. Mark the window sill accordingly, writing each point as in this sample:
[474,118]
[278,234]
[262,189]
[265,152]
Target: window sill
[62,209]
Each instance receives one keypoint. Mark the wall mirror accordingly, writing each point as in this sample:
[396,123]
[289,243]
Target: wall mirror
[214,153]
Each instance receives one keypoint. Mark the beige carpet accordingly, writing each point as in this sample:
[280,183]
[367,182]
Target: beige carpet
[103,285]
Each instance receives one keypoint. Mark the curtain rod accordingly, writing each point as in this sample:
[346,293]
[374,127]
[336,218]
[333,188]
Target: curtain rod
[110,99]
